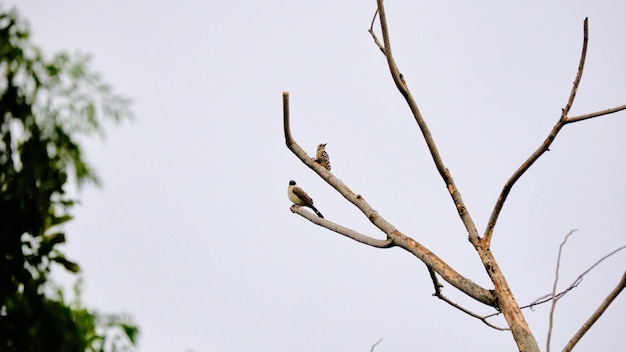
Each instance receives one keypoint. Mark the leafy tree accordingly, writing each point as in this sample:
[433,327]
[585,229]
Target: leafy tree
[45,106]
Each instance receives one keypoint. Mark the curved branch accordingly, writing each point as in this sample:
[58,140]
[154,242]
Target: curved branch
[359,237]
[437,285]
[516,176]
[563,120]
[376,344]
[543,147]
[596,315]
[398,238]
[553,295]
[579,73]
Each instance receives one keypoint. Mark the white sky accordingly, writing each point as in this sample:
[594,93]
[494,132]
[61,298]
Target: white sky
[192,232]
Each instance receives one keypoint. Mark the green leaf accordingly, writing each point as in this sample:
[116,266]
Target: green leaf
[67,264]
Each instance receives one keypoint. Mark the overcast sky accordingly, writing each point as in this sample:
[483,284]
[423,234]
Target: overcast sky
[192,232]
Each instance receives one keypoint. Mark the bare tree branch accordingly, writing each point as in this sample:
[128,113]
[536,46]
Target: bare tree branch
[376,344]
[398,238]
[596,114]
[554,297]
[370,241]
[579,74]
[545,146]
[398,79]
[506,302]
[556,280]
[542,148]
[371,31]
[577,281]
[437,285]
[551,296]
[596,315]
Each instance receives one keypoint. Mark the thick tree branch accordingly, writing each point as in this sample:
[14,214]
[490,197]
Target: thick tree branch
[596,315]
[506,302]
[398,238]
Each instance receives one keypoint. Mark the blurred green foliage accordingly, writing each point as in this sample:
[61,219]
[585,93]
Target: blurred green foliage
[45,106]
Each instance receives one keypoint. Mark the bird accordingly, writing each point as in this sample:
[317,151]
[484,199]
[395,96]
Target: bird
[321,157]
[299,197]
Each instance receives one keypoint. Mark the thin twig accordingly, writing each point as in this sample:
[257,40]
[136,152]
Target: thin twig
[437,285]
[577,281]
[549,297]
[376,344]
[596,315]
[371,31]
[556,280]
[579,74]
[542,148]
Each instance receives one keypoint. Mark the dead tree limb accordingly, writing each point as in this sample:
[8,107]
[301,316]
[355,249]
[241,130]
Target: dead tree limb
[506,302]
[554,285]
[596,114]
[376,344]
[554,297]
[545,146]
[399,80]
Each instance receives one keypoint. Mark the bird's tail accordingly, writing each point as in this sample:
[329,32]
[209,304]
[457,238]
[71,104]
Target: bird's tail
[317,212]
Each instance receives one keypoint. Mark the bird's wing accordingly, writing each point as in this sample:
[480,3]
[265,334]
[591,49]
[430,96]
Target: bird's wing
[302,195]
